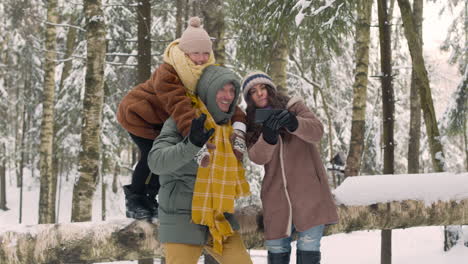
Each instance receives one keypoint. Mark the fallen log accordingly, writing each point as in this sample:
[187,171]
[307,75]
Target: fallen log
[126,239]
[85,242]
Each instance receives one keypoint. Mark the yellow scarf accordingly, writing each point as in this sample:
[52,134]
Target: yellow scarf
[218,185]
[188,72]
[223,180]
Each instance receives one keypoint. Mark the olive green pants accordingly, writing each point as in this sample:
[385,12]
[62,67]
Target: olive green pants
[234,252]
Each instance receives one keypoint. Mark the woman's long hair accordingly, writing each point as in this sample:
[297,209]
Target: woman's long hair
[276,100]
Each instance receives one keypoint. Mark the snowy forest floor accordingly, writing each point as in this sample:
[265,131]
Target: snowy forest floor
[413,245]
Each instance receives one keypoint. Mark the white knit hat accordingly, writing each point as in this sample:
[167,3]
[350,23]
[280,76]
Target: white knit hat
[254,78]
[195,38]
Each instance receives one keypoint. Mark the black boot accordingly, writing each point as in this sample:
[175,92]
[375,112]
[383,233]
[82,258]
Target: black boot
[308,257]
[134,203]
[150,200]
[278,258]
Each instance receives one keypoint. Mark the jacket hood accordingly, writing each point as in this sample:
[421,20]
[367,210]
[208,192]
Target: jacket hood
[214,78]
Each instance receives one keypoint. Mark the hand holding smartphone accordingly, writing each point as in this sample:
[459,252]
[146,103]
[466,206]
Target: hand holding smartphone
[262,114]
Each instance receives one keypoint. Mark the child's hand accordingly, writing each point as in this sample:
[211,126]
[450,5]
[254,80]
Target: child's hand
[238,144]
[203,156]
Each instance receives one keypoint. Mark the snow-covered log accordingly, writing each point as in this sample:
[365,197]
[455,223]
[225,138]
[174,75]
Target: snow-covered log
[85,242]
[401,201]
[364,203]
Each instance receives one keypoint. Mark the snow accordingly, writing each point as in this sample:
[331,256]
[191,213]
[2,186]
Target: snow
[302,5]
[430,188]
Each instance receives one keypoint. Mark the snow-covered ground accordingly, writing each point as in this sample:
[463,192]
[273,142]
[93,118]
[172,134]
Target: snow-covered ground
[414,245]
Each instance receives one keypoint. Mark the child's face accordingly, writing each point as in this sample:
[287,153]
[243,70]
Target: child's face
[259,95]
[199,58]
[225,96]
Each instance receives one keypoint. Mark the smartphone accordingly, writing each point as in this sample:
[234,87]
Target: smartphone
[263,114]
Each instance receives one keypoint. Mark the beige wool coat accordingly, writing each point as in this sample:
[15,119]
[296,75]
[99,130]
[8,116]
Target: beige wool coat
[295,187]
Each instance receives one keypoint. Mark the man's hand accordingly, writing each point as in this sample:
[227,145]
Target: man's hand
[288,120]
[197,134]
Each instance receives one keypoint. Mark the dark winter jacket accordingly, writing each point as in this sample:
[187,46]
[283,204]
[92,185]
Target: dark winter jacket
[172,158]
[295,187]
[145,108]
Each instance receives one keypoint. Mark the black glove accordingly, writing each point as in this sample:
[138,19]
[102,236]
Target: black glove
[197,134]
[270,130]
[288,120]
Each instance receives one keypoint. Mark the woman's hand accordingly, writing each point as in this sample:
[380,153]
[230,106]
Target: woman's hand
[288,120]
[270,129]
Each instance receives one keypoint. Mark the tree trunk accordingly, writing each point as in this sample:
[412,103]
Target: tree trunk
[3,201]
[115,177]
[356,145]
[70,47]
[103,199]
[144,40]
[465,84]
[214,24]
[17,121]
[465,140]
[180,11]
[89,157]
[187,12]
[59,197]
[66,70]
[427,105]
[21,149]
[126,239]
[279,63]
[48,181]
[144,68]
[195,7]
[388,111]
[415,104]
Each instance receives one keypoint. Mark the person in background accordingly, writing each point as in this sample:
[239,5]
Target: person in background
[295,193]
[144,109]
[196,204]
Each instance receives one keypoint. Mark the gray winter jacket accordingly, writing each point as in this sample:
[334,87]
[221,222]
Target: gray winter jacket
[172,159]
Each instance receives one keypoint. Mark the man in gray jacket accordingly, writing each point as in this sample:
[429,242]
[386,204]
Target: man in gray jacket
[172,157]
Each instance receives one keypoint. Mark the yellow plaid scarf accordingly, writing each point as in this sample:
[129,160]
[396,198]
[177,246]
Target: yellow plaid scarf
[223,180]
[188,72]
[219,184]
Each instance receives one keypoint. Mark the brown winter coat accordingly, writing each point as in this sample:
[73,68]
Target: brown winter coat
[145,108]
[295,186]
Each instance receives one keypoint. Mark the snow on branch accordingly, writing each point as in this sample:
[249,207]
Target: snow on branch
[65,25]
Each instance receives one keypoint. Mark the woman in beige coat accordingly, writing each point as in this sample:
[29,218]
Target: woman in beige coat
[295,193]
